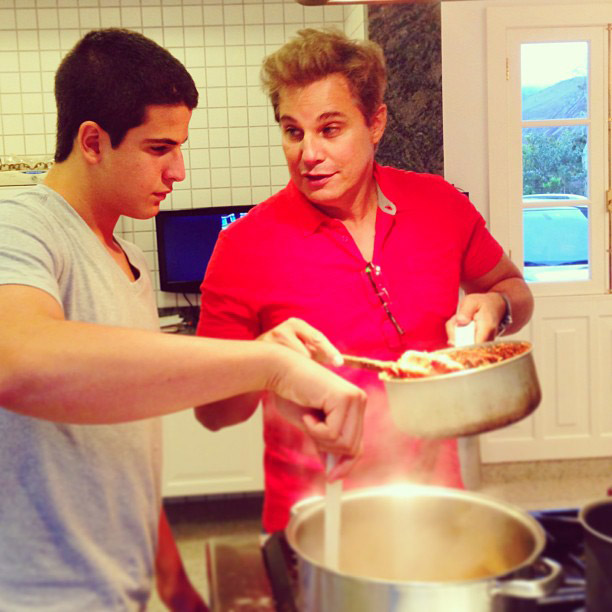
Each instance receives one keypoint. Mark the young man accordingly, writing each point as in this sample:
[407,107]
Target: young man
[83,366]
[374,257]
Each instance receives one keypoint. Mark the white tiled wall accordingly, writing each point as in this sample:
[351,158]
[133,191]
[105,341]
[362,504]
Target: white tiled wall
[233,154]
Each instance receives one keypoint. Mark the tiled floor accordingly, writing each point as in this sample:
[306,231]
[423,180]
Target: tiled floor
[530,485]
[194,521]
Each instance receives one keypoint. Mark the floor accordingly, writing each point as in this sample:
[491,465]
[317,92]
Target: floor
[194,521]
[529,485]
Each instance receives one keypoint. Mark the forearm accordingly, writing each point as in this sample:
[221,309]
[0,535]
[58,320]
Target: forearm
[86,373]
[483,305]
[226,412]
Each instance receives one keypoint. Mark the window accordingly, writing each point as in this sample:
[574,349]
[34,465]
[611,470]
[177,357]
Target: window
[548,179]
[554,86]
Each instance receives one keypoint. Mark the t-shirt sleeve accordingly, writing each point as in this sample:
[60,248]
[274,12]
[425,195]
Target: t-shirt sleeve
[457,220]
[482,252]
[26,252]
[228,292]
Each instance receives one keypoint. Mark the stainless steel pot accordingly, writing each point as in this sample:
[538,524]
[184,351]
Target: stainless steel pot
[596,519]
[420,548]
[466,402]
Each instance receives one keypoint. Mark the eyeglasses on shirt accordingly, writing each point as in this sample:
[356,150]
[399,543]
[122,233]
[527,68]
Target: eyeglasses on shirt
[374,275]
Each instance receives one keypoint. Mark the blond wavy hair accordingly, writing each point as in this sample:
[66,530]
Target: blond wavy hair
[315,54]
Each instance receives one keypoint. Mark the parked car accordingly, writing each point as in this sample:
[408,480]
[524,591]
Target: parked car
[556,243]
[553,196]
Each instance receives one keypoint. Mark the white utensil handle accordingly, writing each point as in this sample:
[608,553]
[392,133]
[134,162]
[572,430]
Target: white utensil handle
[333,498]
[464,334]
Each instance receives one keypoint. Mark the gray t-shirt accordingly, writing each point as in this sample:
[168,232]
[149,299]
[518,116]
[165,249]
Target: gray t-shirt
[79,504]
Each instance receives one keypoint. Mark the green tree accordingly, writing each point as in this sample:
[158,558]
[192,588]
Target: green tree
[554,160]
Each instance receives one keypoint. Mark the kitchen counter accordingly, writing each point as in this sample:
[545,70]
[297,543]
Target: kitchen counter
[547,484]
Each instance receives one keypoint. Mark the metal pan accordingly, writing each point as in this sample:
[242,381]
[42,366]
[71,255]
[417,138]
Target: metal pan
[468,402]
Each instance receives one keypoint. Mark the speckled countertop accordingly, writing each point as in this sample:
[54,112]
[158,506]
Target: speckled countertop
[548,484]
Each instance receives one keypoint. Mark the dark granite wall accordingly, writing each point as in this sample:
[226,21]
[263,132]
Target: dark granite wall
[410,37]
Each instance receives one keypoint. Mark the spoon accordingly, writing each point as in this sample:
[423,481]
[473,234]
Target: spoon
[331,531]
[367,363]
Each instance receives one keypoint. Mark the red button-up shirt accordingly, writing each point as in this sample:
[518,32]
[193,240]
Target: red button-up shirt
[288,259]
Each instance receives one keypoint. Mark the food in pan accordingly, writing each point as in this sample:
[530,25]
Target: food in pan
[418,364]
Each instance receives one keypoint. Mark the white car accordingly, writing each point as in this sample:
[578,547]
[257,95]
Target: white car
[556,243]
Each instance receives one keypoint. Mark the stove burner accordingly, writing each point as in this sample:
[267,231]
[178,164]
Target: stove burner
[564,544]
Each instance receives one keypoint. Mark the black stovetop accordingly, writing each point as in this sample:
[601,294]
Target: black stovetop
[564,544]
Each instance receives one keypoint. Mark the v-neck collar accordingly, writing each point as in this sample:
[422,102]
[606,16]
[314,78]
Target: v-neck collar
[138,273]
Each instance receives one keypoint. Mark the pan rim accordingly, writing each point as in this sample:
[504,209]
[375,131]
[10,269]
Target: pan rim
[387,378]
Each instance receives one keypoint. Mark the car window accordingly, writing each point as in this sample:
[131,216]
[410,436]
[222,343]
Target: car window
[556,243]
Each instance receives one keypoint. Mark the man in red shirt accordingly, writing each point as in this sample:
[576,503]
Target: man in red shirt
[373,257]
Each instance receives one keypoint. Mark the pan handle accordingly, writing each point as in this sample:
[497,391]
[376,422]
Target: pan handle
[532,589]
[367,363]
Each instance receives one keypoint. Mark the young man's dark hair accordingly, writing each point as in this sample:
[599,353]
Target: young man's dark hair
[110,77]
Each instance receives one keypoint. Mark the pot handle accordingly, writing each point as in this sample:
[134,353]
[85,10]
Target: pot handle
[532,589]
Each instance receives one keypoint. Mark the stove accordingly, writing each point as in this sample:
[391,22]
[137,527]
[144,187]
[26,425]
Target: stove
[564,544]
[259,573]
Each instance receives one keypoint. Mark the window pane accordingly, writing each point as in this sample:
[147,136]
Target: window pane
[555,161]
[554,80]
[556,244]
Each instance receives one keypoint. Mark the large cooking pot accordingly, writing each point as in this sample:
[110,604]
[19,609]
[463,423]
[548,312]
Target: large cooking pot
[420,548]
[596,519]
[467,402]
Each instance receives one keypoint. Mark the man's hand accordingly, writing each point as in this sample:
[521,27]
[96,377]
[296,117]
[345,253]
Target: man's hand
[324,405]
[335,419]
[304,339]
[485,309]
[484,305]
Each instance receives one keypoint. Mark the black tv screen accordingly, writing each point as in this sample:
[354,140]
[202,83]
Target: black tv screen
[185,242]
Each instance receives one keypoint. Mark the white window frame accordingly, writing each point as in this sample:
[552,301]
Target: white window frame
[507,28]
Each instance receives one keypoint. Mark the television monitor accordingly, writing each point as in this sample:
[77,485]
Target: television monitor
[185,242]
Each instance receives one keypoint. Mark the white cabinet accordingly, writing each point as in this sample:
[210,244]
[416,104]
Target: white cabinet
[202,462]
[572,338]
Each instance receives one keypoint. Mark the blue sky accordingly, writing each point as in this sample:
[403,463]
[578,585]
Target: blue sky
[544,64]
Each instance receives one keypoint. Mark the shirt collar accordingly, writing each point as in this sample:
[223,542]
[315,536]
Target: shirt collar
[309,218]
[384,203]
[303,213]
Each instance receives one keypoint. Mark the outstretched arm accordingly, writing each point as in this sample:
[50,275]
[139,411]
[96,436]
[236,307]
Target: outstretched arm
[75,372]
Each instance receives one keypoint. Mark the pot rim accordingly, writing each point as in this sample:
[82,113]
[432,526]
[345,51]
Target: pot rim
[388,379]
[306,509]
[583,518]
